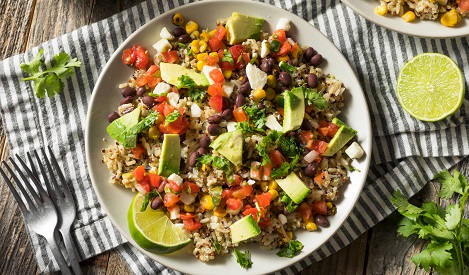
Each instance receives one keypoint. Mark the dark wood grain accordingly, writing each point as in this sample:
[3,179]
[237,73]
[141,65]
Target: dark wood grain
[27,23]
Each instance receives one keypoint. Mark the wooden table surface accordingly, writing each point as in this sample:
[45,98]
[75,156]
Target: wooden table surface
[27,23]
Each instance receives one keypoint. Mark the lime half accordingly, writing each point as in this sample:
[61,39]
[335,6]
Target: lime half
[153,230]
[430,87]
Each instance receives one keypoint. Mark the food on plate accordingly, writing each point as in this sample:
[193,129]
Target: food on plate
[430,87]
[232,133]
[449,12]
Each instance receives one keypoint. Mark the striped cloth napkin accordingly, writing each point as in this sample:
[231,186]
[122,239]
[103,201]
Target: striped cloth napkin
[406,152]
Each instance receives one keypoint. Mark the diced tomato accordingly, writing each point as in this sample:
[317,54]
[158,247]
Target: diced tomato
[306,136]
[280,35]
[276,158]
[281,111]
[332,129]
[170,200]
[323,130]
[152,70]
[138,150]
[174,186]
[215,89]
[267,169]
[170,56]
[308,108]
[191,224]
[190,187]
[227,193]
[216,102]
[236,51]
[263,199]
[143,188]
[240,115]
[284,49]
[233,203]
[305,210]
[237,180]
[217,76]
[323,123]
[319,178]
[463,5]
[250,211]
[238,192]
[168,109]
[264,223]
[319,207]
[179,126]
[139,173]
[136,56]
[215,44]
[160,107]
[294,51]
[240,58]
[320,146]
[226,66]
[220,33]
[155,180]
[247,189]
[160,99]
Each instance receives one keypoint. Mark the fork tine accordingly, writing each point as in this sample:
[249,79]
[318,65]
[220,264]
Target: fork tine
[49,187]
[20,186]
[31,164]
[54,162]
[40,189]
[13,191]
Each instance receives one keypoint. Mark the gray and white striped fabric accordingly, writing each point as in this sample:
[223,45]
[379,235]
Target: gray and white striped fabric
[406,152]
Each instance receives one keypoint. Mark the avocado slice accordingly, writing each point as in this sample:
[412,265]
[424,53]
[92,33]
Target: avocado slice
[294,109]
[230,145]
[170,155]
[244,229]
[343,135]
[171,73]
[119,128]
[294,187]
[241,27]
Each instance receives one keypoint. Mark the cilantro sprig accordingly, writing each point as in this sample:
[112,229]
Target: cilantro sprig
[243,258]
[291,249]
[445,228]
[49,81]
[193,92]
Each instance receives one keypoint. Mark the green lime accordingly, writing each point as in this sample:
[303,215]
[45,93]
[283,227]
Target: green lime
[430,87]
[153,230]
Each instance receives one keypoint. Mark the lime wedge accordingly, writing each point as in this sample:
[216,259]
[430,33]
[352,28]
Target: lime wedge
[153,230]
[430,87]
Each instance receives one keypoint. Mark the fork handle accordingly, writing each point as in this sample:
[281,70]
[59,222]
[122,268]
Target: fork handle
[71,251]
[58,255]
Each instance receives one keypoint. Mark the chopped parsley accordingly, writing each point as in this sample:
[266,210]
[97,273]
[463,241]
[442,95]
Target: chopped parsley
[196,94]
[256,115]
[291,250]
[218,162]
[243,258]
[313,97]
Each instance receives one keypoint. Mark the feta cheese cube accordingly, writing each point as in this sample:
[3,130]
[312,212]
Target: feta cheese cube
[166,34]
[228,89]
[176,178]
[265,48]
[354,151]
[257,78]
[162,46]
[283,24]
[162,88]
[173,99]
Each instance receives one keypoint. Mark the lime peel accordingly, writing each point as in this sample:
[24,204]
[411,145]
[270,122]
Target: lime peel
[430,87]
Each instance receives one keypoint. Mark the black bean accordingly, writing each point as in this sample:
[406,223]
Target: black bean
[204,142]
[126,100]
[128,91]
[269,60]
[184,38]
[261,106]
[215,119]
[148,100]
[141,91]
[156,203]
[240,100]
[312,80]
[214,129]
[226,104]
[178,31]
[193,159]
[306,125]
[316,60]
[227,114]
[245,88]
[285,78]
[245,80]
[265,67]
[202,151]
[321,221]
[112,116]
[311,169]
[309,53]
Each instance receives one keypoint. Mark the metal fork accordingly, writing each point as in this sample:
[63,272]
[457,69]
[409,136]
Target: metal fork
[63,200]
[38,210]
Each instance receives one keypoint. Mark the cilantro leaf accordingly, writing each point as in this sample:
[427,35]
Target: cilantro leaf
[215,192]
[291,250]
[49,81]
[435,254]
[290,205]
[267,141]
[172,117]
[246,128]
[196,94]
[256,115]
[148,197]
[218,162]
[243,258]
[227,57]
[284,169]
[451,184]
[275,45]
[453,216]
[315,98]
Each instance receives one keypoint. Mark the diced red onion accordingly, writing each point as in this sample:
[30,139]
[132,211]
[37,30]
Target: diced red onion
[311,156]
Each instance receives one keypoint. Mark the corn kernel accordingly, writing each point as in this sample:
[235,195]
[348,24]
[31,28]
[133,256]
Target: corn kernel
[201,56]
[258,94]
[153,132]
[227,74]
[212,32]
[272,185]
[220,212]
[204,36]
[205,167]
[177,19]
[200,64]
[381,10]
[290,235]
[202,46]
[271,81]
[159,119]
[189,208]
[274,193]
[408,16]
[329,205]
[270,93]
[283,58]
[195,46]
[194,35]
[191,26]
[214,54]
[311,226]
[128,176]
[450,19]
[264,186]
[207,202]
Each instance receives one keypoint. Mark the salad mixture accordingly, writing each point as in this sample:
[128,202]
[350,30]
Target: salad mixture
[448,11]
[233,133]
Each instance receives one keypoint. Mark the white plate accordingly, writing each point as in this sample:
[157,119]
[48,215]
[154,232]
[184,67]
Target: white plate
[106,97]
[420,28]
